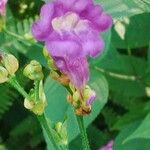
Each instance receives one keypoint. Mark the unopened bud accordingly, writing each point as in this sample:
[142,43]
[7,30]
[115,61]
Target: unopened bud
[39,108]
[61,129]
[10,63]
[89,95]
[28,104]
[33,71]
[34,105]
[76,96]
[3,74]
[58,127]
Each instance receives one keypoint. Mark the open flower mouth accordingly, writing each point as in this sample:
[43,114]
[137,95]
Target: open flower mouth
[70,22]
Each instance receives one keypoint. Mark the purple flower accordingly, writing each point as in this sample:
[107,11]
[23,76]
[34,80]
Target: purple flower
[109,146]
[2,6]
[70,30]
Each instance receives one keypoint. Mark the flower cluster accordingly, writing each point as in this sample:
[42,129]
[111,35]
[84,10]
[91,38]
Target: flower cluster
[2,7]
[71,32]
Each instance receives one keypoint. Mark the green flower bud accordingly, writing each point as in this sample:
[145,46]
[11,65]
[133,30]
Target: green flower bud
[39,107]
[76,96]
[10,63]
[33,105]
[61,129]
[33,71]
[58,127]
[3,74]
[36,107]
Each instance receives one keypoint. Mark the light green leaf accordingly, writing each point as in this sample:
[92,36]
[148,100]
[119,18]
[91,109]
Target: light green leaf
[122,8]
[136,144]
[143,131]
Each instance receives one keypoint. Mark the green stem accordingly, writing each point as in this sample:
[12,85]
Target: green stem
[45,124]
[36,84]
[13,82]
[22,39]
[84,137]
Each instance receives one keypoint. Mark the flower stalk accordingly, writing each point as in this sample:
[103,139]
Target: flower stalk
[45,124]
[84,137]
[42,119]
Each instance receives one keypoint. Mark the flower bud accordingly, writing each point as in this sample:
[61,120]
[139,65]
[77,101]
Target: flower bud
[33,71]
[3,74]
[36,106]
[9,62]
[58,127]
[89,95]
[61,129]
[39,107]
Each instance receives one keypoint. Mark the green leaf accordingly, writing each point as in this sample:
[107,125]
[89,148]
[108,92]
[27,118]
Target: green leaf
[57,103]
[143,131]
[135,113]
[138,23]
[136,144]
[121,8]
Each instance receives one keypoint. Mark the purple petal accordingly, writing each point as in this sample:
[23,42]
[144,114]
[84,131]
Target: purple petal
[109,146]
[76,69]
[81,5]
[92,43]
[63,48]
[66,45]
[2,6]
[41,29]
[103,22]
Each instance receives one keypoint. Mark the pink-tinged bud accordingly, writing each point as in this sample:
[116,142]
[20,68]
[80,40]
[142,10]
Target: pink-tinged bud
[2,7]
[109,146]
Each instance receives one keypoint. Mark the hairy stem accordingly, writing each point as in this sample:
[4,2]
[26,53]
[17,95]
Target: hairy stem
[85,142]
[13,82]
[45,124]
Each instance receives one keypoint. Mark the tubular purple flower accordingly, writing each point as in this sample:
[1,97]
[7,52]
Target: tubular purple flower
[2,7]
[71,32]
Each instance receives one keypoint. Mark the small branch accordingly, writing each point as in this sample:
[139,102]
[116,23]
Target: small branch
[13,82]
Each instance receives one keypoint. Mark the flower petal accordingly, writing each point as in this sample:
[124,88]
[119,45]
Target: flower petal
[41,29]
[103,22]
